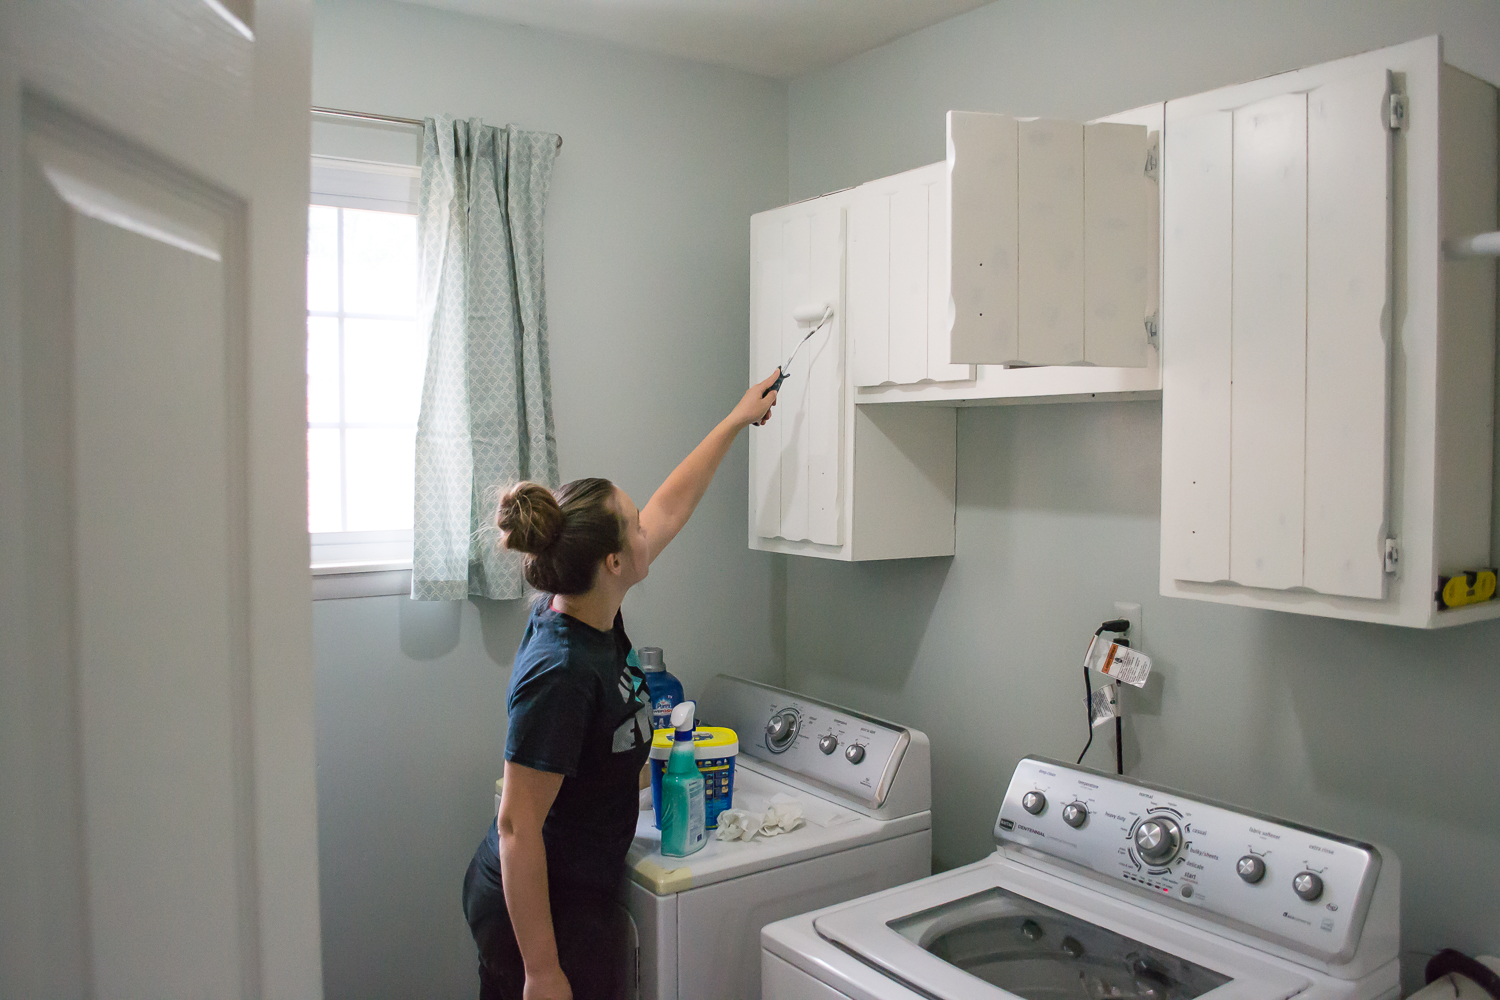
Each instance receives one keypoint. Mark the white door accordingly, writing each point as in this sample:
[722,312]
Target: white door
[157,806]
[796,460]
[1278,260]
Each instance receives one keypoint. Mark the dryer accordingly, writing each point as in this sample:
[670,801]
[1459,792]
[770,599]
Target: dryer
[866,789]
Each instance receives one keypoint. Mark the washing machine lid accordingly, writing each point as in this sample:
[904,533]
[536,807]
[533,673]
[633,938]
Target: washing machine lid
[829,827]
[1001,930]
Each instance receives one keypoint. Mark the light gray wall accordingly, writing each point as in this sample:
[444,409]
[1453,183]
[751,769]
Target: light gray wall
[1381,733]
[648,293]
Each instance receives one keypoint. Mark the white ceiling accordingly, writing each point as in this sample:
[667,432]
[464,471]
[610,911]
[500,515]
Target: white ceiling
[776,38]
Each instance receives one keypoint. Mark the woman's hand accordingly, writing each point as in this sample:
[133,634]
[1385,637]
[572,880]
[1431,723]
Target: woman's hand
[551,985]
[755,407]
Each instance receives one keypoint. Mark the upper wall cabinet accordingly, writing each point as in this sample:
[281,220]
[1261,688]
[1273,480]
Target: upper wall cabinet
[1329,386]
[827,478]
[1047,289]
[1052,249]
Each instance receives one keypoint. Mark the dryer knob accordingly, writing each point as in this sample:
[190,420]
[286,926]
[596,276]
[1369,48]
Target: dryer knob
[1308,886]
[1034,803]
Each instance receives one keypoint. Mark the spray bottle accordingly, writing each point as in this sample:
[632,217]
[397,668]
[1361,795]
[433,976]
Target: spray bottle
[682,805]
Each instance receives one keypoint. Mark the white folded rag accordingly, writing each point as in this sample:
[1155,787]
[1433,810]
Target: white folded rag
[782,815]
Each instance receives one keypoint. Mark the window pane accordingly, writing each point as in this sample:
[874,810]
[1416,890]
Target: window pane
[380,464]
[323,501]
[322,370]
[322,258]
[380,262]
[383,365]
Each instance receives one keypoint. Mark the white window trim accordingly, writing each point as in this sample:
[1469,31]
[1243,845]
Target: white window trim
[366,563]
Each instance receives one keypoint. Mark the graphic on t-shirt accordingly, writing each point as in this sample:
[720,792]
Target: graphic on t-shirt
[636,730]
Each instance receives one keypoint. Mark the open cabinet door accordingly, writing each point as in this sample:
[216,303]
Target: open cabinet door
[158,820]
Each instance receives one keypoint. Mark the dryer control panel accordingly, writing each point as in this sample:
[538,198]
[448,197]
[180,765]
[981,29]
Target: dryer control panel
[1304,888]
[854,754]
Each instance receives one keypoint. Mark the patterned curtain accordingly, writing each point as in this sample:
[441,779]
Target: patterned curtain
[486,416]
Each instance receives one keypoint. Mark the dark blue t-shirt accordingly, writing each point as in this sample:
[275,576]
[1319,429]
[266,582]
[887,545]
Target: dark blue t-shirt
[578,709]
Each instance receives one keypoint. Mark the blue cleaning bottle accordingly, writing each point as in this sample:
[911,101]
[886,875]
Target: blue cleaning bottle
[682,805]
[666,690]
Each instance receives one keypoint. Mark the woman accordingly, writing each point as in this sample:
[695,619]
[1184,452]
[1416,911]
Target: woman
[540,892]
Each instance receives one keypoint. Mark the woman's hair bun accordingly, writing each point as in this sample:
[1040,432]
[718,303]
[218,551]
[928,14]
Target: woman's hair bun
[530,517]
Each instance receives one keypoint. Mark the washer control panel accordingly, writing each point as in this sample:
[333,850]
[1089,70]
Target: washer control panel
[1306,889]
[850,752]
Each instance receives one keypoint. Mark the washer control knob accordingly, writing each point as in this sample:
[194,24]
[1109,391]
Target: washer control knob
[829,743]
[781,730]
[1075,814]
[1251,868]
[1308,886]
[1158,839]
[1034,803]
[855,753]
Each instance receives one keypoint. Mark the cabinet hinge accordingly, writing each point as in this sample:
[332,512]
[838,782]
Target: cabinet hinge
[1396,108]
[1392,555]
[1153,323]
[1153,158]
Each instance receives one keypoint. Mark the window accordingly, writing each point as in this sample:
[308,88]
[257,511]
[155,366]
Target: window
[365,359]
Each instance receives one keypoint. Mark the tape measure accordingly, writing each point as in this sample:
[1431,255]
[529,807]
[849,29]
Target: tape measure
[1472,586]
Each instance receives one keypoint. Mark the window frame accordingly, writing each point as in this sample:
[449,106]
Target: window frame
[361,563]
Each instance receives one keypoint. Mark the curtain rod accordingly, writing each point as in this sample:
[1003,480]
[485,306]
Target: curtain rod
[338,113]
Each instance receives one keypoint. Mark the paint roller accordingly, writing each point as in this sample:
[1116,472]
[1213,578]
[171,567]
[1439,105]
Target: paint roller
[810,314]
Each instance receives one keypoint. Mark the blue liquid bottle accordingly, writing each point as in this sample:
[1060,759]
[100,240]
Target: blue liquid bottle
[666,690]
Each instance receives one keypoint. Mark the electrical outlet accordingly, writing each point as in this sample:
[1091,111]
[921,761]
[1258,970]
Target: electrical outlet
[1127,609]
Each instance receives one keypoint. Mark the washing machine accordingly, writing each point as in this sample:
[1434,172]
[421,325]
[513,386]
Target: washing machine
[865,786]
[1107,888]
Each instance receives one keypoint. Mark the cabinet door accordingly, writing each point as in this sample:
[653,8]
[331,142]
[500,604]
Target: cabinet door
[898,310]
[797,459]
[1277,262]
[1051,241]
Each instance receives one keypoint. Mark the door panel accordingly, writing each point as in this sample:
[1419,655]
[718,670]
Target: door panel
[159,834]
[1050,224]
[1197,278]
[1116,242]
[1269,342]
[153,402]
[983,235]
[939,303]
[870,287]
[1348,347]
[797,459]
[825,383]
[792,397]
[766,299]
[909,284]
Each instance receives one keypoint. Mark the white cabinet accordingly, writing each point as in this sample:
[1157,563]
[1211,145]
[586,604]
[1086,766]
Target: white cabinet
[826,478]
[1053,243]
[1328,385]
[1073,317]
[898,280]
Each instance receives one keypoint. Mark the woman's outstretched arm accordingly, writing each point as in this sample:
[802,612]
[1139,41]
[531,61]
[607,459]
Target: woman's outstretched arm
[674,501]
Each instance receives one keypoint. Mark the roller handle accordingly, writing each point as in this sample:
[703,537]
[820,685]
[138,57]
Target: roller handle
[780,378]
